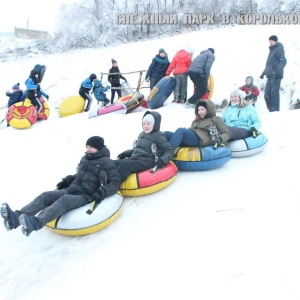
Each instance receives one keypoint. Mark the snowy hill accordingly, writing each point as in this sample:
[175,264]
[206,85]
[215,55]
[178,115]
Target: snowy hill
[228,233]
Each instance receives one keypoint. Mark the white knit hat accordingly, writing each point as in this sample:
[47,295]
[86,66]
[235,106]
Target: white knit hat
[240,93]
[149,118]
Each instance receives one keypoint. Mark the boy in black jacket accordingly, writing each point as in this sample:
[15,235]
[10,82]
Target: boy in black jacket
[96,178]
[151,149]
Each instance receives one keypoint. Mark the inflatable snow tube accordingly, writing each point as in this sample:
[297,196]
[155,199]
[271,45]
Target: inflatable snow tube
[71,105]
[248,146]
[125,89]
[210,88]
[161,92]
[21,115]
[77,222]
[132,101]
[200,158]
[114,108]
[147,182]
[45,112]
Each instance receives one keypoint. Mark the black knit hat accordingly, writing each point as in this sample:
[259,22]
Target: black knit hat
[212,50]
[96,142]
[93,77]
[113,61]
[273,38]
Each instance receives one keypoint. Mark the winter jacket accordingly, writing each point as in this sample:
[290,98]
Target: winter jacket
[114,79]
[242,117]
[202,63]
[158,67]
[88,176]
[199,126]
[33,88]
[85,86]
[253,89]
[98,90]
[154,145]
[180,63]
[276,61]
[14,97]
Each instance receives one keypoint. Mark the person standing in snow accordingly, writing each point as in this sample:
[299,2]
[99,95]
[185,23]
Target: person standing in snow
[97,178]
[34,91]
[99,92]
[275,64]
[114,79]
[158,67]
[250,89]
[150,150]
[84,90]
[179,66]
[199,72]
[240,117]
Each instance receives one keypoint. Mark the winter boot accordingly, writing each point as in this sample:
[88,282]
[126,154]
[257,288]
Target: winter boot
[182,99]
[29,224]
[10,217]
[176,98]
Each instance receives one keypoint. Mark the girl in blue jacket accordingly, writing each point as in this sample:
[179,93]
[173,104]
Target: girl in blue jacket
[240,117]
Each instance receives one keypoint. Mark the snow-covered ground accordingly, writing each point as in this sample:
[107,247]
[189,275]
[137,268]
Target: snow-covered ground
[228,233]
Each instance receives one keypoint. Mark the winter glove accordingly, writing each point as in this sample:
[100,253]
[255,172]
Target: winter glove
[125,79]
[147,79]
[97,196]
[108,87]
[61,185]
[125,154]
[262,76]
[159,165]
[218,143]
[47,97]
[255,133]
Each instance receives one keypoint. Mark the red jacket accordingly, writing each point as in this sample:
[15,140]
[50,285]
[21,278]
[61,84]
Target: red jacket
[252,88]
[180,63]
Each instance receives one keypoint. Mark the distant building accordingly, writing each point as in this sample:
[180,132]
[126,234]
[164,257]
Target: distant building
[31,33]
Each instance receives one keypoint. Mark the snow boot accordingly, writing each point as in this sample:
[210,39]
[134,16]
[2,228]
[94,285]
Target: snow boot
[29,224]
[10,217]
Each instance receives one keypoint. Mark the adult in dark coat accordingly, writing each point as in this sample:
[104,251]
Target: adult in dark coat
[97,178]
[114,79]
[199,72]
[150,150]
[158,68]
[276,61]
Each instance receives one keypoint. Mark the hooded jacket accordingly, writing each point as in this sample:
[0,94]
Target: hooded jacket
[180,63]
[158,67]
[88,177]
[199,126]
[276,61]
[253,89]
[114,79]
[33,88]
[241,117]
[202,63]
[153,145]
[99,90]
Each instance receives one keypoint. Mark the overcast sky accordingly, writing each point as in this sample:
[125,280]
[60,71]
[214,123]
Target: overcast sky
[32,14]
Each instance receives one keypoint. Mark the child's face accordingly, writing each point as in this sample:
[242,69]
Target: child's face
[148,127]
[234,99]
[248,82]
[202,112]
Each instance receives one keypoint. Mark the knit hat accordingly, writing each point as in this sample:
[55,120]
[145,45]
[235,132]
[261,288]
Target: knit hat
[211,50]
[96,142]
[161,50]
[149,118]
[239,92]
[93,77]
[273,38]
[201,103]
[16,86]
[249,78]
[113,61]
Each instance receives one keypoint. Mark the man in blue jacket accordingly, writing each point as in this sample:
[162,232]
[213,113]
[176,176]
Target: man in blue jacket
[276,61]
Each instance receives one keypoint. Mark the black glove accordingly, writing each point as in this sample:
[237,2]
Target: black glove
[262,76]
[125,79]
[218,143]
[255,133]
[97,196]
[125,154]
[159,165]
[47,97]
[61,185]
